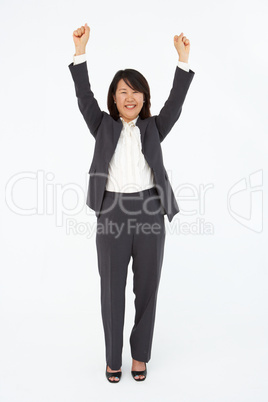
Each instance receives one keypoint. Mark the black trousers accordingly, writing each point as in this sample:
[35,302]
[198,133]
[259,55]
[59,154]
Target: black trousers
[129,225]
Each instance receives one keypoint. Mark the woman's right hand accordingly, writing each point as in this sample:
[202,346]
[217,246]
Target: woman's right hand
[80,37]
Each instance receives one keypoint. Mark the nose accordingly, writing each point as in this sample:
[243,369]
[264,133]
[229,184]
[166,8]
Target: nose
[129,96]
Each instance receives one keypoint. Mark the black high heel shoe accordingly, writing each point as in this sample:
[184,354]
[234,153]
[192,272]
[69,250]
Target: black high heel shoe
[144,373]
[115,374]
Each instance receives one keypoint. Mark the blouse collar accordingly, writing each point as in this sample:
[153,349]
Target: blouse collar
[131,123]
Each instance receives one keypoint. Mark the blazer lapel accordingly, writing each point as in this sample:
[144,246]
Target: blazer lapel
[118,125]
[142,124]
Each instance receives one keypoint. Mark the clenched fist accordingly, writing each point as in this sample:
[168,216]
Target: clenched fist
[80,37]
[182,45]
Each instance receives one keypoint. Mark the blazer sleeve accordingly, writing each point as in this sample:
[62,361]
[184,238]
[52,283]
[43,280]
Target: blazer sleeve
[172,108]
[87,104]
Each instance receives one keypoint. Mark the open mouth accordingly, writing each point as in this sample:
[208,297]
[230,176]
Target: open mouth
[130,106]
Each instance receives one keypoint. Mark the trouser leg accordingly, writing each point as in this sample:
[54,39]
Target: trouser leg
[148,252]
[114,252]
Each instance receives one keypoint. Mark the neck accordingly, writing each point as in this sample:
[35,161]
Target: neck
[128,120]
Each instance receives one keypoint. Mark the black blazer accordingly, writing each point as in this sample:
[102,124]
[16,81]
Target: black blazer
[106,132]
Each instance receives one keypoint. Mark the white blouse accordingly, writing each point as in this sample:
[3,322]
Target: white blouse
[128,170]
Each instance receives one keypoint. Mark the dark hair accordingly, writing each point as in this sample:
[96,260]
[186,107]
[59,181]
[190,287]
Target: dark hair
[135,80]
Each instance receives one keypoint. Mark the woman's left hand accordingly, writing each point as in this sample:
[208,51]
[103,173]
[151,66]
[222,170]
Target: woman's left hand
[182,45]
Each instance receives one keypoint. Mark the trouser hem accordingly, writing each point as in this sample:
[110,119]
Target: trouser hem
[141,357]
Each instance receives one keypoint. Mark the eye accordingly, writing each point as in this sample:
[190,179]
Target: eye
[123,92]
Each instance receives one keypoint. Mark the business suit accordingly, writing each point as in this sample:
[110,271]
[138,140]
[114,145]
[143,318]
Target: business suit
[146,250]
[153,131]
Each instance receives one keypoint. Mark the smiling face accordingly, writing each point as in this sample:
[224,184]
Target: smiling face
[129,101]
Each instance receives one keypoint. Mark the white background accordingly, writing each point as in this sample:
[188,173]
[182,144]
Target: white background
[210,339]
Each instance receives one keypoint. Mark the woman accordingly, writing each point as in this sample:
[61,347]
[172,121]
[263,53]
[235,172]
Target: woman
[128,166]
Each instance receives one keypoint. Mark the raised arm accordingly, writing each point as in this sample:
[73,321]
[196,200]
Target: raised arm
[87,104]
[172,108]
